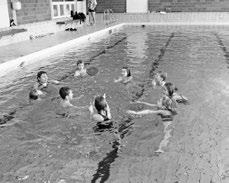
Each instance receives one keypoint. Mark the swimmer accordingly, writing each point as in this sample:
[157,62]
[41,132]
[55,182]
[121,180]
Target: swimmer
[42,82]
[81,71]
[66,95]
[126,76]
[166,106]
[103,112]
[159,79]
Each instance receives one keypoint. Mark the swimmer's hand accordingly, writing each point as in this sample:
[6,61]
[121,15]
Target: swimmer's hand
[90,108]
[118,80]
[39,92]
[131,112]
[54,82]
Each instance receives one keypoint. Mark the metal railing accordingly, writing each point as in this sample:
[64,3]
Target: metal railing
[108,16]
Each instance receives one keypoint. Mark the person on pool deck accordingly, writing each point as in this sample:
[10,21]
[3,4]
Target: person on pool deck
[166,106]
[91,11]
[102,112]
[40,85]
[126,76]
[81,71]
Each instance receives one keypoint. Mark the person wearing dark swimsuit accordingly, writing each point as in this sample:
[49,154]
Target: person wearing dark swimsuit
[103,110]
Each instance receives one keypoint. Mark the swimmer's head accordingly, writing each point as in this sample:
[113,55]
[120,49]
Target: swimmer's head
[100,103]
[126,72]
[80,64]
[66,93]
[169,89]
[33,95]
[42,77]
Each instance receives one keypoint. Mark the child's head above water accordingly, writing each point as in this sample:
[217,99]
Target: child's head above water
[42,77]
[126,72]
[80,64]
[100,103]
[66,93]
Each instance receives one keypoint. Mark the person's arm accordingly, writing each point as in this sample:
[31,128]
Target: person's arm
[54,82]
[127,80]
[118,80]
[94,4]
[146,103]
[35,89]
[108,112]
[77,73]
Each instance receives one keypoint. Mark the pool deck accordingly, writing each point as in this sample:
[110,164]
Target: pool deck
[23,48]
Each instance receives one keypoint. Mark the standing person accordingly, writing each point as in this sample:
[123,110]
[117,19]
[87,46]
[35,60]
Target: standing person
[91,11]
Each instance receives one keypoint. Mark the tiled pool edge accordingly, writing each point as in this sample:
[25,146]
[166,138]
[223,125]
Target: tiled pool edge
[14,64]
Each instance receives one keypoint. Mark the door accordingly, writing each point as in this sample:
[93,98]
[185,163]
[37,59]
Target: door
[136,6]
[4,14]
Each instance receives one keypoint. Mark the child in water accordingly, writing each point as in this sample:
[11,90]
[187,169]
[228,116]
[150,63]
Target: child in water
[126,76]
[166,106]
[40,85]
[102,112]
[159,80]
[81,71]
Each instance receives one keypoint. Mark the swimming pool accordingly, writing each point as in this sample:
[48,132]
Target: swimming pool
[38,145]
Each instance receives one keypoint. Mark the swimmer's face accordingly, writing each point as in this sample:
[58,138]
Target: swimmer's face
[81,66]
[124,73]
[43,78]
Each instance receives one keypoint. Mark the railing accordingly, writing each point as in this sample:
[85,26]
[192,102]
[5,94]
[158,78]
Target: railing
[108,16]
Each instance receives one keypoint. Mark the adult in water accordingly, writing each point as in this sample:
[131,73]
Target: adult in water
[40,87]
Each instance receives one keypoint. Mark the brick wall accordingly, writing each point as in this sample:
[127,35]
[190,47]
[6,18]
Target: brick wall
[34,11]
[118,6]
[189,5]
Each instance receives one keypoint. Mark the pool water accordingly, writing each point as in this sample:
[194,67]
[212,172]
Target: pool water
[39,145]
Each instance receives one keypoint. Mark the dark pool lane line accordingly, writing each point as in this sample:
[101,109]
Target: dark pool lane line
[155,63]
[154,66]
[223,47]
[103,170]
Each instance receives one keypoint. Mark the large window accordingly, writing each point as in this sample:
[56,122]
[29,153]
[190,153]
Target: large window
[62,8]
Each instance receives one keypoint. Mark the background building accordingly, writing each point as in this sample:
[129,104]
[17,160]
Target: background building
[37,10]
[42,10]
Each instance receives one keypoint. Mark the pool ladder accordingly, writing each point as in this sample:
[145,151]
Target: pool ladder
[108,16]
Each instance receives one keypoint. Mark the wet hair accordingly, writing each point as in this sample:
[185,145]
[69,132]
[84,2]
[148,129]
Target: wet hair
[40,73]
[33,95]
[100,104]
[128,71]
[64,91]
[170,88]
[79,62]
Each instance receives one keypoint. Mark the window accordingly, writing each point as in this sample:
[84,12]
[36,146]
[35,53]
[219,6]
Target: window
[62,8]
